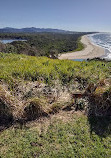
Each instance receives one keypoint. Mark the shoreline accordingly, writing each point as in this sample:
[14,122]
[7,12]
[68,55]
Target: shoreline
[90,51]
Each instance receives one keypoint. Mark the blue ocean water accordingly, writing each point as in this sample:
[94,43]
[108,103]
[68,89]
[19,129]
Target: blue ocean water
[103,40]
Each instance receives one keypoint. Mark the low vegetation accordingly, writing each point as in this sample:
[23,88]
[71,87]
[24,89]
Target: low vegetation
[13,66]
[90,78]
[40,104]
[62,136]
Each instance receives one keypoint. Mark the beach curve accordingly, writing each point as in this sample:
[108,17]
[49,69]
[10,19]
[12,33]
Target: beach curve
[90,51]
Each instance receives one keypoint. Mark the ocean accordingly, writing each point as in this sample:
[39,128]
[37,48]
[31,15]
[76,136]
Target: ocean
[103,40]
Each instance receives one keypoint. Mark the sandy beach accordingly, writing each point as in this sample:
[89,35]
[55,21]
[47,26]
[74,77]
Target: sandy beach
[90,51]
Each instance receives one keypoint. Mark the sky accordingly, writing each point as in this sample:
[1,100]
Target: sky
[73,15]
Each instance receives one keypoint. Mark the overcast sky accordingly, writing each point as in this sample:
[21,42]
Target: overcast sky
[75,15]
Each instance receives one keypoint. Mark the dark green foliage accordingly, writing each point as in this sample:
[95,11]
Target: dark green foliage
[5,114]
[42,44]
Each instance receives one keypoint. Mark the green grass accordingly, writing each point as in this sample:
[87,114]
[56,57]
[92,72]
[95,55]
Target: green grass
[61,140]
[13,66]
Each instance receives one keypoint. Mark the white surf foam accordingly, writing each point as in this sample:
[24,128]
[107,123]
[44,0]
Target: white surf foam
[103,40]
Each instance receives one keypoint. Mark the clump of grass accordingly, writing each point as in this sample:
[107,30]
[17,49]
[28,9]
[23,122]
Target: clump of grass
[100,100]
[35,108]
[6,115]
[56,107]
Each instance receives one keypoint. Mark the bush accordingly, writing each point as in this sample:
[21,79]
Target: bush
[34,109]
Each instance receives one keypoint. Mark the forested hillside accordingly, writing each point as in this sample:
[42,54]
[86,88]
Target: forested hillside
[41,44]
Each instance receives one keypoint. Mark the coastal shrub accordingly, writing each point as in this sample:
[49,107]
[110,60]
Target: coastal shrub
[81,104]
[35,108]
[55,107]
[100,102]
[6,116]
[80,45]
[13,66]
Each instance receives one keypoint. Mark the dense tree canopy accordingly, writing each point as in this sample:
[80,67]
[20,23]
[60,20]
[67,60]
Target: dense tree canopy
[41,44]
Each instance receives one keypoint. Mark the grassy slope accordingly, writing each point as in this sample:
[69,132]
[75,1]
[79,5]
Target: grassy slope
[58,139]
[14,66]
